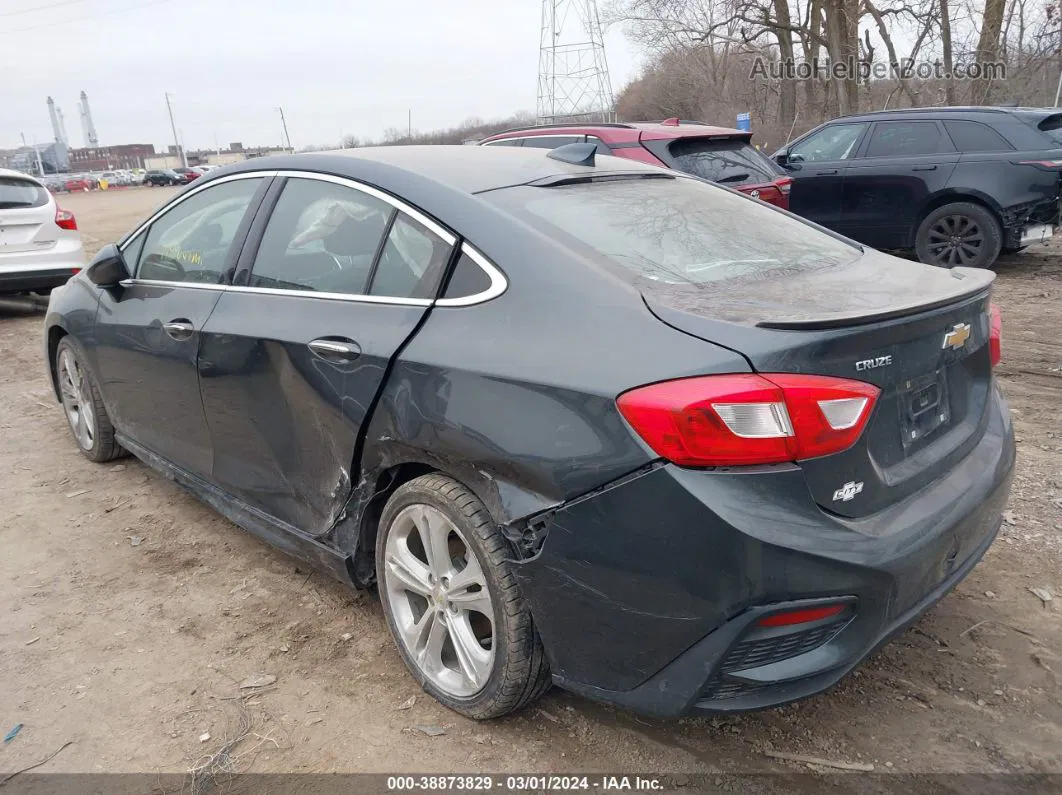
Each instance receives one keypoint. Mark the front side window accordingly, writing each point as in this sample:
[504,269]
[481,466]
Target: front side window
[321,237]
[903,139]
[412,262]
[836,142]
[674,231]
[193,241]
[552,141]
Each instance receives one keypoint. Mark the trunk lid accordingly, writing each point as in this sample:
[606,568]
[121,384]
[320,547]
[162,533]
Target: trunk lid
[920,334]
[27,219]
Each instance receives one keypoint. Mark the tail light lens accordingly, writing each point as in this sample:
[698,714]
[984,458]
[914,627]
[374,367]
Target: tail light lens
[805,616]
[785,184]
[64,219]
[742,419]
[995,336]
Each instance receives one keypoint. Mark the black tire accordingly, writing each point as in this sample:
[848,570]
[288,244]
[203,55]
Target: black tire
[962,233]
[519,671]
[101,447]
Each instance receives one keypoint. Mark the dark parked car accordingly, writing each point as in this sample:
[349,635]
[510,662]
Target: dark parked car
[163,176]
[581,420]
[956,185]
[718,154]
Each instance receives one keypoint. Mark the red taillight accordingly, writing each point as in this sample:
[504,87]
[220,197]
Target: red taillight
[64,219]
[995,337]
[741,419]
[784,184]
[805,616]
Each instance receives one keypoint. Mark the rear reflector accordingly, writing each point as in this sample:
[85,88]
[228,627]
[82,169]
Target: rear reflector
[64,219]
[743,419]
[805,616]
[995,337]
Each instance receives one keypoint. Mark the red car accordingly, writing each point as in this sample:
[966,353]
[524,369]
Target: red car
[722,155]
[77,183]
[188,174]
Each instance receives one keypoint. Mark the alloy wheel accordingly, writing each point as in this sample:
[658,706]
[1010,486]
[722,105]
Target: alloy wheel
[439,600]
[77,399]
[955,240]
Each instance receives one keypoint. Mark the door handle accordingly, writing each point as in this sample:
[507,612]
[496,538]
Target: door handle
[924,168]
[180,329]
[827,172]
[335,350]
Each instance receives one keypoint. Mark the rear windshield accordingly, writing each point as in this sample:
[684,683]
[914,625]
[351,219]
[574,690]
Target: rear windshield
[674,231]
[1052,125]
[17,193]
[725,162]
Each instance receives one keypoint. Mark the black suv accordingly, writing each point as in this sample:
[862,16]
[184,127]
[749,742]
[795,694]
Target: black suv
[163,176]
[957,185]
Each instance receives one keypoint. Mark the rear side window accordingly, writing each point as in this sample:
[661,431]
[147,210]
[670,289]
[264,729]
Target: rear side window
[725,162]
[903,138]
[673,231]
[17,194]
[972,136]
[1052,126]
[467,279]
[412,262]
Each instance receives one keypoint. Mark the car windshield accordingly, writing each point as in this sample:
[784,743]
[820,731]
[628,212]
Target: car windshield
[674,231]
[733,162]
[17,193]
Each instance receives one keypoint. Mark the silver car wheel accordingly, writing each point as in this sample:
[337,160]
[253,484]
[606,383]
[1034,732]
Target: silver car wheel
[439,600]
[77,399]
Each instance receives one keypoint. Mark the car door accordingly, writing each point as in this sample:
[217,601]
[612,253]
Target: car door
[148,329]
[326,292]
[903,164]
[817,164]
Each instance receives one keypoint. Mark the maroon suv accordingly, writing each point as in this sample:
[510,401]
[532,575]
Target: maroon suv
[722,155]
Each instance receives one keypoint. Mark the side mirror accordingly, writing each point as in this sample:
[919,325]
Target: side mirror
[108,268]
[781,157]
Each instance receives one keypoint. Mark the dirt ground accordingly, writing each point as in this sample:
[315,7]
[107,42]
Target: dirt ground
[132,613]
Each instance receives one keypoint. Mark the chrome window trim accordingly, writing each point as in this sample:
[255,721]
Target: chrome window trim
[532,137]
[498,283]
[448,237]
[349,297]
[196,189]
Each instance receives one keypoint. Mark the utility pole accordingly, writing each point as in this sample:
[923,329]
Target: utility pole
[284,122]
[409,126]
[176,140]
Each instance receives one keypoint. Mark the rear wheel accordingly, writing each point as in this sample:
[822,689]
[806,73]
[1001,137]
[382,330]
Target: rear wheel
[83,405]
[452,602]
[960,234]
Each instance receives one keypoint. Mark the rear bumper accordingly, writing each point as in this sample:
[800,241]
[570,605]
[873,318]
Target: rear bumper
[35,279]
[647,595]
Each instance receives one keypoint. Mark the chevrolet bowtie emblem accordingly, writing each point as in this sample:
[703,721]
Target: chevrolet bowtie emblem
[957,337]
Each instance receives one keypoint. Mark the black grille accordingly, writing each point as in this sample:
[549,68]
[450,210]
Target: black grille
[754,652]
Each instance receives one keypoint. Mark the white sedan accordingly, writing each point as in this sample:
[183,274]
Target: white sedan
[40,246]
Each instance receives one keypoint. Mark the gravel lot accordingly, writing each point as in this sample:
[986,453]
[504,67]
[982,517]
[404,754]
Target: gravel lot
[132,613]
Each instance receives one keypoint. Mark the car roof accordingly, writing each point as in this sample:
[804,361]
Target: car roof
[10,172]
[951,110]
[468,169]
[616,130]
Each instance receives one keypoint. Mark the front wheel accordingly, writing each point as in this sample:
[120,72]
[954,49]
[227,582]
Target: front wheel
[452,602]
[960,234]
[83,405]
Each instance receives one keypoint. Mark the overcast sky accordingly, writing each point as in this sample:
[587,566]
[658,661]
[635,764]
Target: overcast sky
[338,67]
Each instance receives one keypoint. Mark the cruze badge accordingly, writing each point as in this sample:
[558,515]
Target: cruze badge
[848,491]
[873,364]
[957,337]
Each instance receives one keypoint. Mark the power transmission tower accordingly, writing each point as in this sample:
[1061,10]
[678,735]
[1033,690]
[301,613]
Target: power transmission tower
[573,81]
